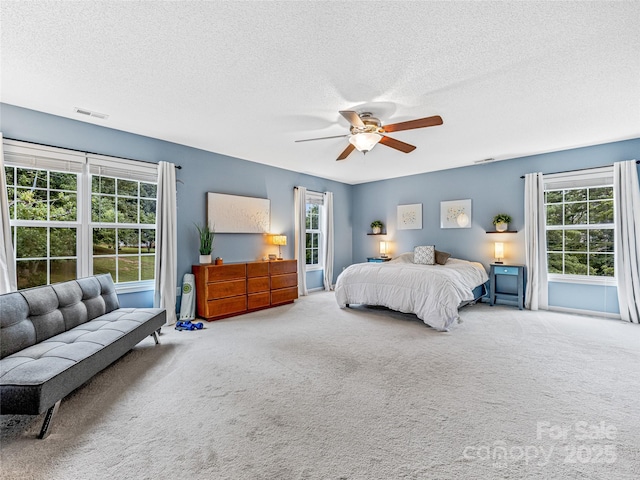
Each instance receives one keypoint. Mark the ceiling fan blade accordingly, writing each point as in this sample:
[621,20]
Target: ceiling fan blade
[411,124]
[352,117]
[320,138]
[397,144]
[350,148]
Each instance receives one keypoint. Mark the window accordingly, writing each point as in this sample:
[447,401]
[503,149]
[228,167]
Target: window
[74,214]
[580,225]
[314,230]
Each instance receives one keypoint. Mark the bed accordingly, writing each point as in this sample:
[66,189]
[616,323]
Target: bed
[432,292]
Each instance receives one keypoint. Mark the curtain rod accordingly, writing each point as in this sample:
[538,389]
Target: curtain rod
[82,151]
[580,169]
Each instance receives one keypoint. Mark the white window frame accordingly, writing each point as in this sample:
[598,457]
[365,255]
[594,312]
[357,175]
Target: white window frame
[315,198]
[588,178]
[27,155]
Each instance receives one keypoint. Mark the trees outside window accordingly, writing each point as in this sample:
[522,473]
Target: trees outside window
[580,226]
[69,219]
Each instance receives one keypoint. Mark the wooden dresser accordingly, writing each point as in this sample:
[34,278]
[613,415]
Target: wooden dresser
[235,288]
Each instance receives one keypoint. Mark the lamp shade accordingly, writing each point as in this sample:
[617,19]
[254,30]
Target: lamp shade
[383,248]
[279,239]
[365,141]
[499,250]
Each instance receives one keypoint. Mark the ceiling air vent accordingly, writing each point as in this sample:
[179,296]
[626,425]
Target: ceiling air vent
[89,113]
[485,160]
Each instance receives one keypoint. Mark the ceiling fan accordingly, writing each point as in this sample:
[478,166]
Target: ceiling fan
[366,131]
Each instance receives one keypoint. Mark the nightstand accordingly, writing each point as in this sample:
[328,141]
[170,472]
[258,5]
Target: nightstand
[378,259]
[506,283]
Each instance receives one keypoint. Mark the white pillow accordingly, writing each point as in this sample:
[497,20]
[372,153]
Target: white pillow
[424,255]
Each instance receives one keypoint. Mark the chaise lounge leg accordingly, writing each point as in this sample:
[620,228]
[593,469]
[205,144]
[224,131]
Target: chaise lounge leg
[155,337]
[44,431]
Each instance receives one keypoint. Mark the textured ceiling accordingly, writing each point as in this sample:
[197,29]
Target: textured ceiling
[246,79]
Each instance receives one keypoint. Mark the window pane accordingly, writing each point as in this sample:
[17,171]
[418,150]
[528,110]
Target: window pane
[554,214]
[601,211]
[104,241]
[553,196]
[63,243]
[63,181]
[128,269]
[309,240]
[10,174]
[127,210]
[105,265]
[10,196]
[103,209]
[63,270]
[575,195]
[600,193]
[575,213]
[601,264]
[308,257]
[554,263]
[63,206]
[31,273]
[128,240]
[148,212]
[32,178]
[31,242]
[127,187]
[554,240]
[575,240]
[32,204]
[575,264]
[148,190]
[315,256]
[148,241]
[148,267]
[103,185]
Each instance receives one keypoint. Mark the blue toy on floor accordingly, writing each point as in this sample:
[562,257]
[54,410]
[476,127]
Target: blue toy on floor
[188,325]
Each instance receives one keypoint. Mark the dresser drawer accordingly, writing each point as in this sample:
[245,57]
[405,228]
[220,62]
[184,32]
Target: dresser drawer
[283,266]
[284,281]
[258,284]
[226,289]
[258,269]
[284,295]
[506,270]
[258,300]
[226,306]
[217,273]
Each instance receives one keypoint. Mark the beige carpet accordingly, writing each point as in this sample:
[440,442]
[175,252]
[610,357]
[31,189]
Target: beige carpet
[309,391]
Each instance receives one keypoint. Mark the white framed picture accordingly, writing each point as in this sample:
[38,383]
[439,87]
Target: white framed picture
[237,214]
[410,217]
[455,214]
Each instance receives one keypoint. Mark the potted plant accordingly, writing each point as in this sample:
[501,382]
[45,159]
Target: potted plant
[502,221]
[206,236]
[376,226]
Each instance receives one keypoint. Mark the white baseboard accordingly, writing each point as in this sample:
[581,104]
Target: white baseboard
[317,289]
[590,313]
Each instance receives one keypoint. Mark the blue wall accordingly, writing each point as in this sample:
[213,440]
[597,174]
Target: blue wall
[493,188]
[201,172]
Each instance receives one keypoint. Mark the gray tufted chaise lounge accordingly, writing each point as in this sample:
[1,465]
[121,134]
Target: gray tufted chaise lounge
[56,337]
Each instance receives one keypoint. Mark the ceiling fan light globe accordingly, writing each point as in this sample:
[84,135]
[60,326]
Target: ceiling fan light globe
[365,141]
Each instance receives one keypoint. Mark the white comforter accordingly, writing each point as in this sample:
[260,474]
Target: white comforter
[432,292]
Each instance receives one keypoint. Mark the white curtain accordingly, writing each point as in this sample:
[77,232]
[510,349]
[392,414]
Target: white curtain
[8,281]
[626,195]
[166,241]
[300,209]
[537,292]
[327,244]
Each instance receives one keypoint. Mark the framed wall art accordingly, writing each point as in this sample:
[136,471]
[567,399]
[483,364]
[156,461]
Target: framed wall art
[410,217]
[455,214]
[237,214]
